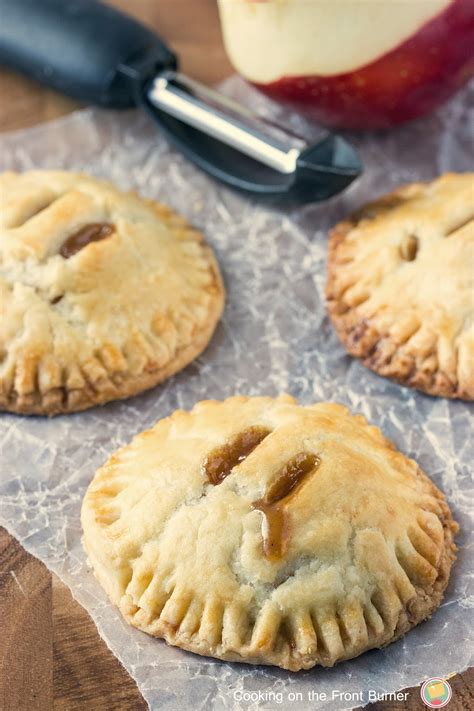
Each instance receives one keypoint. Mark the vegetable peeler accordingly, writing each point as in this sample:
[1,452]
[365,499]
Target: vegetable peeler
[96,54]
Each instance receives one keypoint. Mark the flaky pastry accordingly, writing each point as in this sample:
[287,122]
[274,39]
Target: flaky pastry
[257,530]
[400,288]
[102,294]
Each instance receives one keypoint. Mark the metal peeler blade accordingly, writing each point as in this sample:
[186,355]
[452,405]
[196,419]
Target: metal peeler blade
[243,149]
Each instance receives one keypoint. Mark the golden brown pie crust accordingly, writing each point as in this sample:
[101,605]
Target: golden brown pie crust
[318,543]
[103,294]
[400,287]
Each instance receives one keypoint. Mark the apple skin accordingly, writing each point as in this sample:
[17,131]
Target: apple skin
[408,82]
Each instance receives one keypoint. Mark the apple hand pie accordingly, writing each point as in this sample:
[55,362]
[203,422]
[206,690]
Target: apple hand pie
[103,294]
[400,288]
[260,531]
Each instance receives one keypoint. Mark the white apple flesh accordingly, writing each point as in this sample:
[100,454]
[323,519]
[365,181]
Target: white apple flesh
[353,63]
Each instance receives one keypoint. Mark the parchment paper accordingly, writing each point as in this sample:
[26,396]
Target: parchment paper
[274,337]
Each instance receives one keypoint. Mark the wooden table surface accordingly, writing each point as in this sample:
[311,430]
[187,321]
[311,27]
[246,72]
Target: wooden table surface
[51,656]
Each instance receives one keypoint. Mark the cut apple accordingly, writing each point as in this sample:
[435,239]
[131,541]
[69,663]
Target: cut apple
[355,64]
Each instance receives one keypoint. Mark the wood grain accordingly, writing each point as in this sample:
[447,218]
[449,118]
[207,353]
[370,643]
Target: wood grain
[51,655]
[26,660]
[86,674]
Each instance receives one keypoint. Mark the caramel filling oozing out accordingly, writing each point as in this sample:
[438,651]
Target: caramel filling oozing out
[274,504]
[220,462]
[87,234]
[409,248]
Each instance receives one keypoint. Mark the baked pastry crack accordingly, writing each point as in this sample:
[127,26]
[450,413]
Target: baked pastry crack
[400,288]
[102,294]
[320,542]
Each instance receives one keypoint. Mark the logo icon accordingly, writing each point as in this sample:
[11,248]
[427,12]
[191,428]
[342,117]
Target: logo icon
[436,693]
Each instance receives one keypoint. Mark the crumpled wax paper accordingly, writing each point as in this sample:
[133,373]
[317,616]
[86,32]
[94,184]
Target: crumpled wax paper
[275,336]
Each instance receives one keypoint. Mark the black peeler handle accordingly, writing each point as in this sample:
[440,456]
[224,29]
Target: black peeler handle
[81,48]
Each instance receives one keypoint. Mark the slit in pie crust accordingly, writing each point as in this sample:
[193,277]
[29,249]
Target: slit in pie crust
[320,542]
[102,294]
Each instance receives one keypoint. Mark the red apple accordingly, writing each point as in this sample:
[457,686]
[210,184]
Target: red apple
[351,64]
